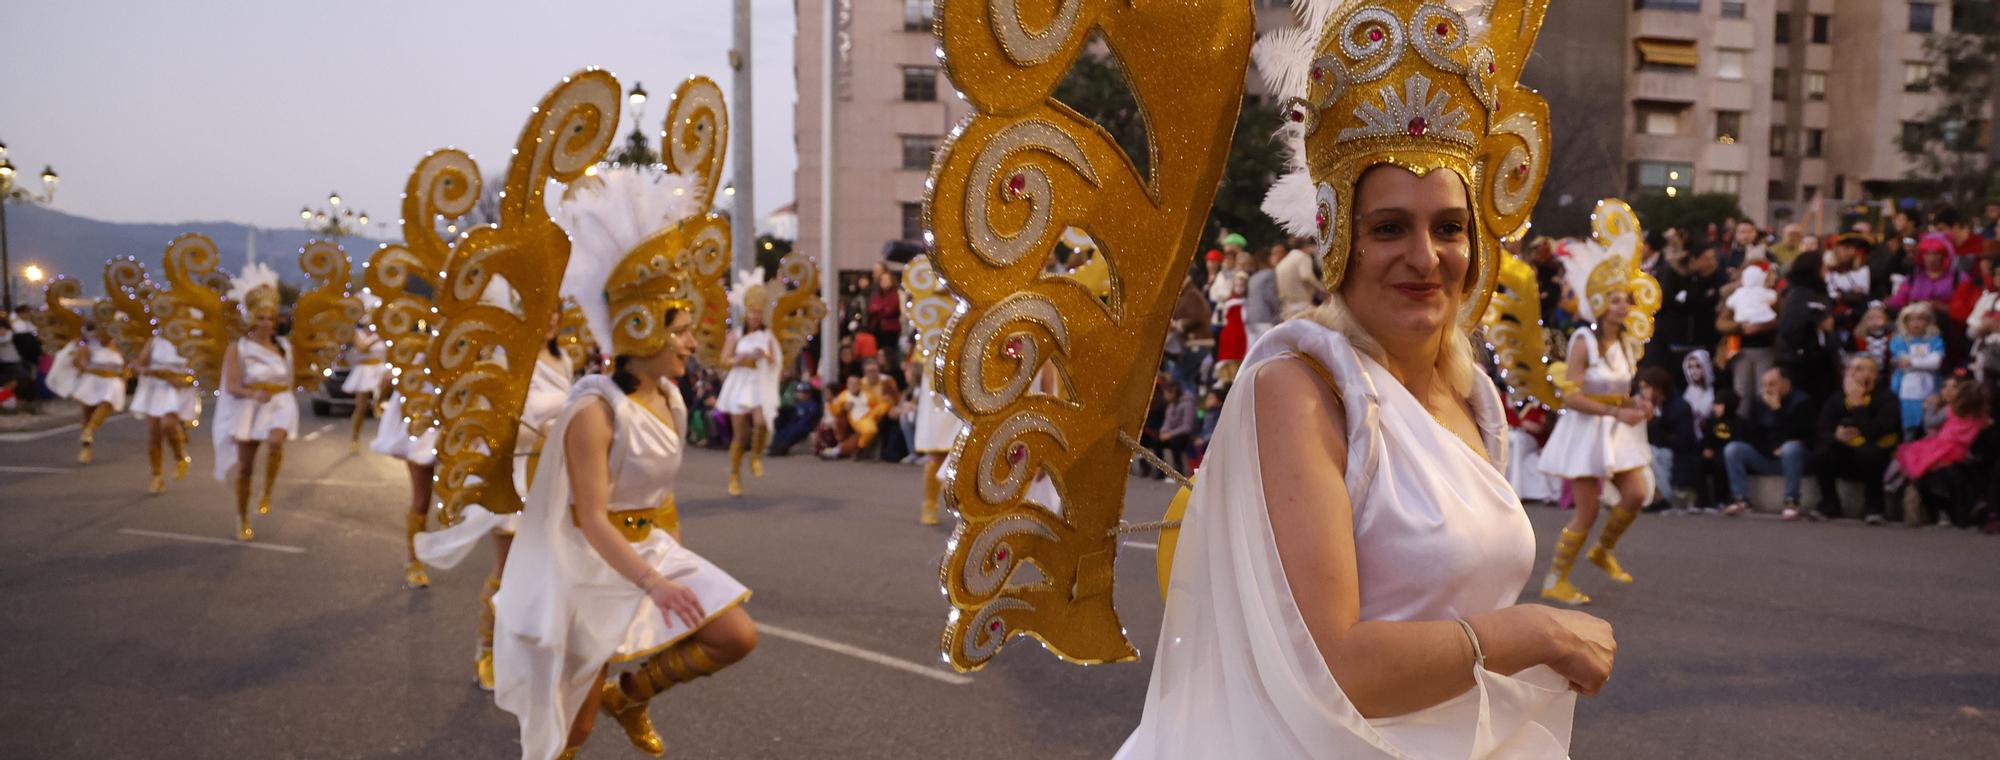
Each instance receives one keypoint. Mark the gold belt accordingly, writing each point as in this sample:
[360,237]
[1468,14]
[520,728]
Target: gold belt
[637,524]
[178,378]
[1610,399]
[102,372]
[370,363]
[271,388]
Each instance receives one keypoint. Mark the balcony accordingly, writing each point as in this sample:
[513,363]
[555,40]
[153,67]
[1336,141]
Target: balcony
[1666,87]
[1649,21]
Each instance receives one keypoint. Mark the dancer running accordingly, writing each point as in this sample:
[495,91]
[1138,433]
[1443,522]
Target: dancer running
[256,407]
[749,392]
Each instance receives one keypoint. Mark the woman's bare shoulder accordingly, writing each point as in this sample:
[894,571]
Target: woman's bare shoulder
[1297,403]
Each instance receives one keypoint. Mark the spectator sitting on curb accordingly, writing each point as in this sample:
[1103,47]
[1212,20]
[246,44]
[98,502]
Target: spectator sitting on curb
[1774,437]
[1857,435]
[1671,434]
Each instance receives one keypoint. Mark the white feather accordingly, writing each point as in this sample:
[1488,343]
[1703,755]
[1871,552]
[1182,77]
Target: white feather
[254,276]
[1293,202]
[606,219]
[1284,59]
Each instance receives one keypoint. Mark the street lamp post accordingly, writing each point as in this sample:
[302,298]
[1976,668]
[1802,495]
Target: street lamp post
[10,193]
[334,221]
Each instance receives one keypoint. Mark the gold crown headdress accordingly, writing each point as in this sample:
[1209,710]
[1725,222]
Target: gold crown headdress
[191,307]
[483,357]
[573,335]
[645,241]
[255,292]
[57,323]
[748,296]
[131,294]
[444,186]
[1421,84]
[1005,187]
[323,319]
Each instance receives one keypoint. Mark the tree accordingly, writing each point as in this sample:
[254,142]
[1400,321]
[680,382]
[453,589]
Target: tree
[1949,143]
[1690,213]
[1096,88]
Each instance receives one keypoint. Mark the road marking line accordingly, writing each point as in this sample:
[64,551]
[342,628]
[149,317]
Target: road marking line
[211,540]
[1143,545]
[863,654]
[39,434]
[24,468]
[314,435]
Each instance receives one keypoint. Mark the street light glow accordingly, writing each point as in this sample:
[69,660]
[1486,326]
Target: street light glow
[638,97]
[333,198]
[34,274]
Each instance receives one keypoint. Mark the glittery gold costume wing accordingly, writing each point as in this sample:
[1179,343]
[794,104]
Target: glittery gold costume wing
[323,319]
[484,354]
[191,310]
[695,141]
[797,313]
[928,307]
[1004,188]
[57,323]
[444,186]
[1515,331]
[131,294]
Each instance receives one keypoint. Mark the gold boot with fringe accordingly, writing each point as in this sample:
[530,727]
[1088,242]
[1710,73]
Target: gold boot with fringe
[154,455]
[760,436]
[1556,586]
[243,507]
[414,576]
[625,698]
[1614,528]
[177,440]
[272,461]
[932,488]
[483,667]
[736,443]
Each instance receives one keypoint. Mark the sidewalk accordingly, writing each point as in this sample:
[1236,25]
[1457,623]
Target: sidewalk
[54,413]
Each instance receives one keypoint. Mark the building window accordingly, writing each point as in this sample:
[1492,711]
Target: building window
[1692,6]
[1778,133]
[1815,142]
[1820,22]
[1781,31]
[1655,119]
[913,221]
[917,151]
[1665,177]
[920,84]
[919,15]
[1725,182]
[1775,190]
[1913,136]
[1923,17]
[1815,85]
[1781,85]
[1839,187]
[1729,64]
[1732,9]
[1917,76]
[1728,126]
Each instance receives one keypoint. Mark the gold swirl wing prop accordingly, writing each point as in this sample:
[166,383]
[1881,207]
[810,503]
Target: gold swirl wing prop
[573,335]
[131,294]
[57,323]
[444,186]
[928,307]
[484,354]
[323,319]
[1515,332]
[1615,226]
[190,308]
[796,314]
[694,141]
[1005,187]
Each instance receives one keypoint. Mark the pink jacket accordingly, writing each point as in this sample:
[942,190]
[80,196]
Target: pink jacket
[1944,448]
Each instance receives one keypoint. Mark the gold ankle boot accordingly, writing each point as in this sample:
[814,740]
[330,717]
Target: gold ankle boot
[1556,587]
[177,439]
[414,576]
[736,443]
[626,697]
[243,509]
[931,490]
[759,436]
[483,666]
[271,464]
[1600,555]
[154,454]
[83,455]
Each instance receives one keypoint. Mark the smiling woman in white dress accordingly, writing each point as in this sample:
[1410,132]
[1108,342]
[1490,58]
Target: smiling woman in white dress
[256,407]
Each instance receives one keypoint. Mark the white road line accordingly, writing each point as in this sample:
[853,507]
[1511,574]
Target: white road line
[211,540]
[25,468]
[338,483]
[314,435]
[1143,545]
[40,434]
[863,654]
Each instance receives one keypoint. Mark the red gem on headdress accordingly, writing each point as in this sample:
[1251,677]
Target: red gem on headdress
[1418,126]
[1001,555]
[1318,73]
[995,627]
[1017,183]
[1444,30]
[1320,219]
[1013,347]
[1489,67]
[1017,453]
[1296,115]
[1375,35]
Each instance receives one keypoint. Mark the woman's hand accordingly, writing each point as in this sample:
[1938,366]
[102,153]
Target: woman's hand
[1582,647]
[676,601]
[1630,415]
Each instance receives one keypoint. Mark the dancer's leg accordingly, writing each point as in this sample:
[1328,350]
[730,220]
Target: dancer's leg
[414,522]
[246,459]
[719,643]
[271,465]
[1631,484]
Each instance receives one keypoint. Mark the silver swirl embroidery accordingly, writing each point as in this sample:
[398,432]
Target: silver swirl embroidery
[1381,54]
[1327,203]
[1021,347]
[1030,48]
[1028,183]
[1436,48]
[1521,162]
[1007,442]
[987,631]
[991,559]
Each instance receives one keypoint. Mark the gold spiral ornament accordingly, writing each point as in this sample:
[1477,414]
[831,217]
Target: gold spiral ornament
[57,323]
[323,319]
[128,290]
[444,187]
[798,309]
[191,309]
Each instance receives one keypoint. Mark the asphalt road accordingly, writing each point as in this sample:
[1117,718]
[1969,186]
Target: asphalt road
[124,638]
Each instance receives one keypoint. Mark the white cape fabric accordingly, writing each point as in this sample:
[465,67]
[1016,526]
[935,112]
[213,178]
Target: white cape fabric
[67,381]
[547,391]
[159,398]
[1237,674]
[393,439]
[753,388]
[937,427]
[243,419]
[562,612]
[1597,445]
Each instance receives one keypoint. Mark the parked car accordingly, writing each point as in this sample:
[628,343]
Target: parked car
[329,400]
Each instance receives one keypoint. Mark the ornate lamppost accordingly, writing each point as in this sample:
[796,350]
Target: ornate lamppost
[334,221]
[11,193]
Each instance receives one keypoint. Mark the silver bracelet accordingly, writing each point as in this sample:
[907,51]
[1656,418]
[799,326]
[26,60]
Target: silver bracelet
[1478,653]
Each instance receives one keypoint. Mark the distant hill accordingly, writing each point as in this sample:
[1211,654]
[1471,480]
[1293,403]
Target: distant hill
[78,247]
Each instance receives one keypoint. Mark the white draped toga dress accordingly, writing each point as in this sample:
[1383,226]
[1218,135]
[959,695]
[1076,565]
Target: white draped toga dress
[242,418]
[1438,535]
[167,387]
[1597,445]
[753,388]
[937,427]
[548,389]
[367,365]
[101,381]
[562,612]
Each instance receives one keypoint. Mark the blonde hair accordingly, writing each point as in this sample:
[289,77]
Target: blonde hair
[1455,361]
[1903,320]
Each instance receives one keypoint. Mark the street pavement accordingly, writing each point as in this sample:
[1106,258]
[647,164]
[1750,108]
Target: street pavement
[129,636]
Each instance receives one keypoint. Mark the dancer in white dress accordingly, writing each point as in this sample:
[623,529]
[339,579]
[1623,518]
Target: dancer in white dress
[367,371]
[90,372]
[1601,433]
[419,455]
[256,407]
[749,393]
[928,310]
[169,401]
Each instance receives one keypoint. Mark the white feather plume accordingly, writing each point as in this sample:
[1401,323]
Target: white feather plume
[256,275]
[1293,202]
[607,216]
[744,281]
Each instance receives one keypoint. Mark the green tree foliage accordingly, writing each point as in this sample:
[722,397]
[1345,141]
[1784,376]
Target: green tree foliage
[770,251]
[1947,149]
[1690,213]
